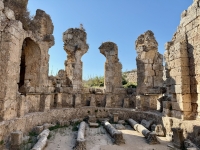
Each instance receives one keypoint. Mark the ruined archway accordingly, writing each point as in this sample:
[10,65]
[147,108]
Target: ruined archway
[29,66]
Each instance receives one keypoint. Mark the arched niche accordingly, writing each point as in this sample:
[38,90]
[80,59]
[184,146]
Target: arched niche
[30,65]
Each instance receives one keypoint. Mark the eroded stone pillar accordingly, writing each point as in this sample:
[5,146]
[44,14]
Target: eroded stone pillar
[75,45]
[112,72]
[149,71]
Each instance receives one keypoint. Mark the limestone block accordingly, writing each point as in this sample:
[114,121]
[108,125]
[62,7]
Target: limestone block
[1,5]
[158,129]
[183,98]
[77,100]
[181,62]
[182,80]
[182,89]
[38,129]
[115,117]
[126,103]
[9,13]
[180,114]
[21,106]
[16,139]
[167,104]
[93,101]
[67,100]
[59,100]
[166,112]
[92,119]
[178,71]
[157,81]
[108,100]
[181,106]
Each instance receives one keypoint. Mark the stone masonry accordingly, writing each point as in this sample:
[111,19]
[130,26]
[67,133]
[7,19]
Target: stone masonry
[182,65]
[22,68]
[112,74]
[75,45]
[149,71]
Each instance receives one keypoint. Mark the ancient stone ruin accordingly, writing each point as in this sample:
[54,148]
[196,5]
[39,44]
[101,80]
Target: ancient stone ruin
[165,103]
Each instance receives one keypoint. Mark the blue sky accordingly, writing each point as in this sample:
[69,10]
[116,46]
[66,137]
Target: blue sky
[119,21]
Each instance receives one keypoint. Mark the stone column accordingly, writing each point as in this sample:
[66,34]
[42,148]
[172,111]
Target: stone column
[149,71]
[75,45]
[112,72]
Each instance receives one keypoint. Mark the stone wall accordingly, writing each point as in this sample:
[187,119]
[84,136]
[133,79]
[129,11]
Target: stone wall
[182,65]
[26,123]
[131,76]
[149,71]
[16,47]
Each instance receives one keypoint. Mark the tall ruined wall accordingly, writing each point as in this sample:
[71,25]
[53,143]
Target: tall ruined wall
[112,71]
[18,68]
[149,71]
[182,65]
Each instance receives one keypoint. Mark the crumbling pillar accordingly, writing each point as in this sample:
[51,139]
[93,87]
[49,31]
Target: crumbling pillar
[75,45]
[81,142]
[115,134]
[149,71]
[112,72]
[150,136]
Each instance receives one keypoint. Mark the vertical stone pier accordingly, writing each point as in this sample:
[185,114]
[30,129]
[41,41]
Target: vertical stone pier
[149,71]
[112,74]
[75,45]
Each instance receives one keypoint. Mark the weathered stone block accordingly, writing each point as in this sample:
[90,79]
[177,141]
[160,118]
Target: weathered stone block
[16,139]
[183,98]
[166,112]
[108,100]
[182,80]
[182,89]
[115,117]
[167,104]
[77,100]
[92,119]
[38,129]
[1,5]
[126,103]
[180,114]
[181,106]
[9,13]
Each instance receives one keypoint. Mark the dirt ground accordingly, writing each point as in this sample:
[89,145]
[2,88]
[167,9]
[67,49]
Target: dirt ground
[98,139]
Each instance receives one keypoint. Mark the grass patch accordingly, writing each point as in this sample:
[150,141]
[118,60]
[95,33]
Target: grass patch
[33,133]
[75,126]
[57,127]
[1,142]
